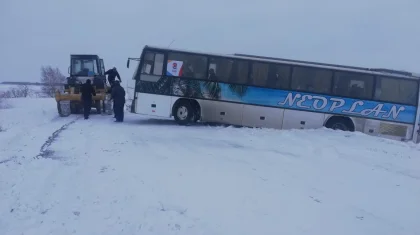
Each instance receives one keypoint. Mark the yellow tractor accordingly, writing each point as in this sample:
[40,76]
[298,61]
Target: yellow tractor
[83,67]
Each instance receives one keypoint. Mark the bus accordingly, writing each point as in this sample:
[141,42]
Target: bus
[265,92]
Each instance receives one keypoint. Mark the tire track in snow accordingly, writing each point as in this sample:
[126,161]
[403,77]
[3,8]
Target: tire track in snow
[44,152]
[22,142]
[7,160]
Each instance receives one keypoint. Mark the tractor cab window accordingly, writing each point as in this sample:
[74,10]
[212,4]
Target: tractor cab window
[84,67]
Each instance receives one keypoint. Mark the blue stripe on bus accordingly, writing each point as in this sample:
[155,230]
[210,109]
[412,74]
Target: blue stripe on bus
[319,103]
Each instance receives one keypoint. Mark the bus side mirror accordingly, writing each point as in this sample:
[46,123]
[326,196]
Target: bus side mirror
[68,70]
[128,63]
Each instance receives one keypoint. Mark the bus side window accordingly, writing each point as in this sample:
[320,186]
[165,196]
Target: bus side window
[354,85]
[158,64]
[222,68]
[212,72]
[259,74]
[396,90]
[193,66]
[311,79]
[239,72]
[152,68]
[149,59]
[278,76]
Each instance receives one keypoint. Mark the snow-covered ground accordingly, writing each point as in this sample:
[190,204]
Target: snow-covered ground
[151,176]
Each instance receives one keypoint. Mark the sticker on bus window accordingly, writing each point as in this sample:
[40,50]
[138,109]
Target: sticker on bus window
[174,68]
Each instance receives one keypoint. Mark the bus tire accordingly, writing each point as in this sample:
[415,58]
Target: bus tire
[197,111]
[340,123]
[183,112]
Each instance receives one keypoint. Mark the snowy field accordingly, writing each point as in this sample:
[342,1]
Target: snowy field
[6,87]
[36,92]
[33,90]
[150,176]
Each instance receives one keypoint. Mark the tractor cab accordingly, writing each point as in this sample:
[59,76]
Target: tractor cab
[83,67]
[86,65]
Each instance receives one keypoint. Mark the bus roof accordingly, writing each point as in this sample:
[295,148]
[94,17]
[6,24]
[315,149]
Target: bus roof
[384,72]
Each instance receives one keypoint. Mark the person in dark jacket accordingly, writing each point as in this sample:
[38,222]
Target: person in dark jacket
[87,91]
[112,73]
[118,96]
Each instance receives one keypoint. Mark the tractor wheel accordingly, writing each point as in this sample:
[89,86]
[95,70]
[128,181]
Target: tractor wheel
[60,111]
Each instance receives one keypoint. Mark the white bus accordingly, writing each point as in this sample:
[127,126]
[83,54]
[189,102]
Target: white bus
[256,91]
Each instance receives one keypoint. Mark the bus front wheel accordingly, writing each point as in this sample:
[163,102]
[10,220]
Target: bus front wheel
[183,112]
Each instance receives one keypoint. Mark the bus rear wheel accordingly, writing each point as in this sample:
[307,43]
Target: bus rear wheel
[340,123]
[183,112]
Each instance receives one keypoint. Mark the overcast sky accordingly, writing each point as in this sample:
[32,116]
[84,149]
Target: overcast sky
[371,33]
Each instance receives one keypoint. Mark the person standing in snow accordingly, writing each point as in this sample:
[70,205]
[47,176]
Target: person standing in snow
[112,73]
[118,96]
[87,91]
